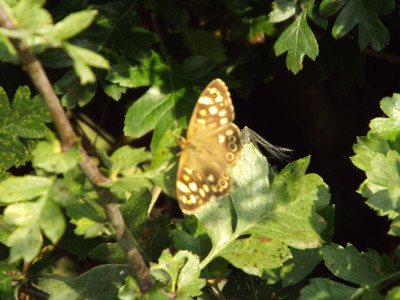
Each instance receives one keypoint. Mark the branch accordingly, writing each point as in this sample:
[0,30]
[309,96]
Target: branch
[35,70]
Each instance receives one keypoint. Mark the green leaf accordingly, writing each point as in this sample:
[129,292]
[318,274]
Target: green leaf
[73,92]
[297,268]
[263,214]
[367,270]
[323,288]
[184,270]
[30,15]
[8,273]
[328,8]
[102,282]
[153,236]
[72,25]
[393,294]
[108,253]
[31,217]
[364,269]
[125,158]
[282,10]
[28,187]
[298,40]
[24,119]
[88,216]
[134,210]
[146,112]
[371,30]
[83,60]
[378,155]
[150,71]
[48,155]
[317,17]
[130,291]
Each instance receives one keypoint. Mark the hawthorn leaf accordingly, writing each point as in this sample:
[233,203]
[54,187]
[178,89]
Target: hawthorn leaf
[298,40]
[264,213]
[14,189]
[72,25]
[371,30]
[25,118]
[101,282]
[48,155]
[183,270]
[282,10]
[323,288]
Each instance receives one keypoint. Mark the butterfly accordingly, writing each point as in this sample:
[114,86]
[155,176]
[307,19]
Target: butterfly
[212,145]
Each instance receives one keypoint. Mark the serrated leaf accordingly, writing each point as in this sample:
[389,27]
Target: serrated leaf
[32,217]
[323,288]
[264,212]
[282,10]
[150,71]
[48,155]
[102,282]
[351,265]
[184,270]
[371,30]
[130,291]
[24,119]
[30,15]
[72,25]
[298,40]
[28,187]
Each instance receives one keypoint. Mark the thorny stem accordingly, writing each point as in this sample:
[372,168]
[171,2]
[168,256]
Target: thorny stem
[34,69]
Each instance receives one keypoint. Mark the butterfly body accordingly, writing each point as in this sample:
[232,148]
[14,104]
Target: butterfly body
[212,145]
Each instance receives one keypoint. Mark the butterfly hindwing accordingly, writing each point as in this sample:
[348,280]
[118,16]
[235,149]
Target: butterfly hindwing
[211,146]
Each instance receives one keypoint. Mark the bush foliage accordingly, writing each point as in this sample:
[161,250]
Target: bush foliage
[268,237]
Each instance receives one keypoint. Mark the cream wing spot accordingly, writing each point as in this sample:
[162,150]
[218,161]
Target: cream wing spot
[203,112]
[202,193]
[223,121]
[205,100]
[213,90]
[213,110]
[193,186]
[206,188]
[186,177]
[221,139]
[229,132]
[222,113]
[219,99]
[192,199]
[201,121]
[188,170]
[182,187]
[210,178]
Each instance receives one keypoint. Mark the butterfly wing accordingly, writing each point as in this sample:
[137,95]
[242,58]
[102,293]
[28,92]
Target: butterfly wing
[212,145]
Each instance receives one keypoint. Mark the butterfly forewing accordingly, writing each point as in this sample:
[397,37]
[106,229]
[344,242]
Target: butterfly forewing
[212,145]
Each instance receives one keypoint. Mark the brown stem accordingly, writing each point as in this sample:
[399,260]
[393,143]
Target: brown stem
[64,128]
